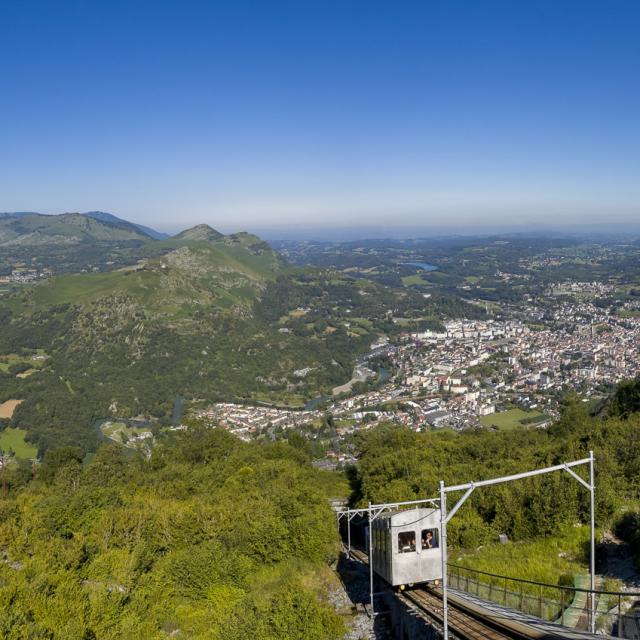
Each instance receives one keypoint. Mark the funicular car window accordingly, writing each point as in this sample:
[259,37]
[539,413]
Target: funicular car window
[429,538]
[406,542]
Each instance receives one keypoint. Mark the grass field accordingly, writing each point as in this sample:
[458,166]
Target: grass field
[407,281]
[543,560]
[14,439]
[90,286]
[115,431]
[507,420]
[7,360]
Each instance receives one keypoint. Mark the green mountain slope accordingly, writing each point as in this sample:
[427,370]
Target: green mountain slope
[211,538]
[191,275]
[189,319]
[64,229]
[109,217]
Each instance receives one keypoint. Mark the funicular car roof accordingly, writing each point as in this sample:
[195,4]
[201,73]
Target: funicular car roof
[406,517]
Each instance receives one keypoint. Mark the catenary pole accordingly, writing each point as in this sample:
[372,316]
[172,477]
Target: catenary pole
[592,564]
[443,556]
[349,530]
[370,563]
[469,488]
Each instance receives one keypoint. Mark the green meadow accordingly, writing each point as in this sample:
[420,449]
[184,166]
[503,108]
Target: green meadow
[415,279]
[511,419]
[14,439]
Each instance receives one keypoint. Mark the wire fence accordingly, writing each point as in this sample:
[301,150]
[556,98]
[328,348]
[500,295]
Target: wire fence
[616,613]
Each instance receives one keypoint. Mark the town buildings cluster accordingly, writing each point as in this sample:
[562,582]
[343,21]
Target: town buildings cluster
[459,377]
[26,276]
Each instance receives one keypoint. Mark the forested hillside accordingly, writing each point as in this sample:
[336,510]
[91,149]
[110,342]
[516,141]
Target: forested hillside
[396,464]
[204,316]
[210,538]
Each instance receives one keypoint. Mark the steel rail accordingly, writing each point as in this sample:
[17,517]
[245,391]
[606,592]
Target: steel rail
[462,624]
[465,626]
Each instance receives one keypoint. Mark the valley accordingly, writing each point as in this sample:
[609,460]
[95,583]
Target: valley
[201,314]
[227,321]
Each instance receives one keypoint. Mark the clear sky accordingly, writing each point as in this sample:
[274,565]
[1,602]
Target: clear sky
[254,114]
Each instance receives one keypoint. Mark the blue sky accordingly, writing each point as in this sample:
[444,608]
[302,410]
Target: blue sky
[258,114]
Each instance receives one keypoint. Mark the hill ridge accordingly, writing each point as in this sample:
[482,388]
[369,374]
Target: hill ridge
[31,227]
[199,232]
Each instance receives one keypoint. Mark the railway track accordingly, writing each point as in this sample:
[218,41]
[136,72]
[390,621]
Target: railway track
[461,624]
[468,621]
[359,555]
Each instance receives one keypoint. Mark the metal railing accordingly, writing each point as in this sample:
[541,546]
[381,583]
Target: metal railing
[616,613]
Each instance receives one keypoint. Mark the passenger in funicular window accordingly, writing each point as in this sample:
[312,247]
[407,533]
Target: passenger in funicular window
[407,547]
[429,542]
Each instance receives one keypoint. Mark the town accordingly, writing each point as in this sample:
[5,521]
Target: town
[511,370]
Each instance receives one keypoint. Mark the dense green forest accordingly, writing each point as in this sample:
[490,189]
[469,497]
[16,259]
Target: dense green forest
[210,538]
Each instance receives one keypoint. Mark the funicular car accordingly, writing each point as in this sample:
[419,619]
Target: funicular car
[406,546]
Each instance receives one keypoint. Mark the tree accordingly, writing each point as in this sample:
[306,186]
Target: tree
[626,399]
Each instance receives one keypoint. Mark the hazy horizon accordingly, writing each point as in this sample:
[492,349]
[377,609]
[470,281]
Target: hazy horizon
[347,232]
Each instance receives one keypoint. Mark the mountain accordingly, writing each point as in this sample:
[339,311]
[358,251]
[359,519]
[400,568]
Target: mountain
[207,320]
[109,217]
[51,227]
[199,233]
[99,241]
[175,277]
[35,229]
[204,316]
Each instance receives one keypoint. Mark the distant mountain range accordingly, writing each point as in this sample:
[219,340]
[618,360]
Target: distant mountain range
[99,241]
[27,228]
